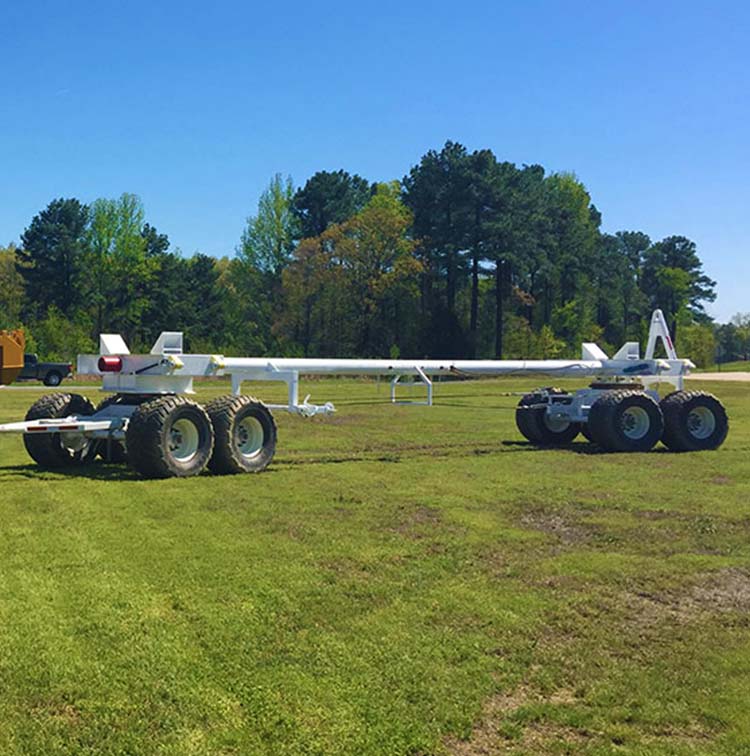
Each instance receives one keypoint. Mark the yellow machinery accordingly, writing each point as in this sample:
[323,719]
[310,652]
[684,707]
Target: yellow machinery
[12,345]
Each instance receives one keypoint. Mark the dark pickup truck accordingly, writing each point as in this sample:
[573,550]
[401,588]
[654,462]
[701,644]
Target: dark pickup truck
[50,373]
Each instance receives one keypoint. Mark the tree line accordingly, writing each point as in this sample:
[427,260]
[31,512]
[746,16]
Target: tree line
[465,256]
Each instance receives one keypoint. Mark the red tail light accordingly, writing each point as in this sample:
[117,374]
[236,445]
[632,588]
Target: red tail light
[108,364]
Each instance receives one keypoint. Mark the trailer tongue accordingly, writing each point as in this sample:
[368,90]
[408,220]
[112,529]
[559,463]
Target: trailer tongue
[150,422]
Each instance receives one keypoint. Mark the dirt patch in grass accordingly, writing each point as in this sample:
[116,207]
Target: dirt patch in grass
[716,593]
[395,452]
[417,523]
[667,533]
[58,711]
[729,590]
[563,532]
[347,568]
[691,734]
[566,530]
[498,731]
[493,735]
[654,514]
[722,480]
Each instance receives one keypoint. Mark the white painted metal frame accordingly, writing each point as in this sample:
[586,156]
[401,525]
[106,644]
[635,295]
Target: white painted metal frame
[167,370]
[423,378]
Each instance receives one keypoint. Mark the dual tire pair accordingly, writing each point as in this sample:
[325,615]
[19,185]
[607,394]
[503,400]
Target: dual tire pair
[166,437]
[174,437]
[632,421]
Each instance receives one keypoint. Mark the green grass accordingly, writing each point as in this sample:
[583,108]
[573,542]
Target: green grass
[728,367]
[402,580]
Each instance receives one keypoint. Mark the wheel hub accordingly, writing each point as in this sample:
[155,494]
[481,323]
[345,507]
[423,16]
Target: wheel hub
[635,423]
[701,422]
[183,440]
[250,437]
[556,423]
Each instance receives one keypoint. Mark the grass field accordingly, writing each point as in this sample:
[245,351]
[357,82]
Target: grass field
[402,580]
[728,367]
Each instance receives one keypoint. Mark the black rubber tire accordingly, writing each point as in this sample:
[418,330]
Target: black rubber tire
[226,414]
[149,438]
[48,449]
[585,432]
[607,420]
[526,427]
[532,423]
[53,378]
[679,433]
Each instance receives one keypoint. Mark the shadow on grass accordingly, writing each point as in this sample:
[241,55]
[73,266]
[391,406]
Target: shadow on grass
[407,453]
[580,447]
[94,472]
[106,471]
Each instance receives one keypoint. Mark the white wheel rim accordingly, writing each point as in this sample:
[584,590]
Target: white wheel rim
[556,424]
[635,423]
[701,422]
[249,437]
[183,440]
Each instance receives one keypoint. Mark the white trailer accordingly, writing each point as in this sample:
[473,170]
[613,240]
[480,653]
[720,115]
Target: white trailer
[150,423]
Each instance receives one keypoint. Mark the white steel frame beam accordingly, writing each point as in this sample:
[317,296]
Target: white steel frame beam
[423,377]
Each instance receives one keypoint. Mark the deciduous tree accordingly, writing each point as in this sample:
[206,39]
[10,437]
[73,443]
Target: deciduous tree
[118,269]
[11,288]
[269,236]
[353,289]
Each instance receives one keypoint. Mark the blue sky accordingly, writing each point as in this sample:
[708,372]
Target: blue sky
[194,106]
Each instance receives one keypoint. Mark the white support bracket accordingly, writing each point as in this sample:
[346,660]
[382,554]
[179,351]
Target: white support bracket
[291,377]
[270,373]
[423,377]
[659,330]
